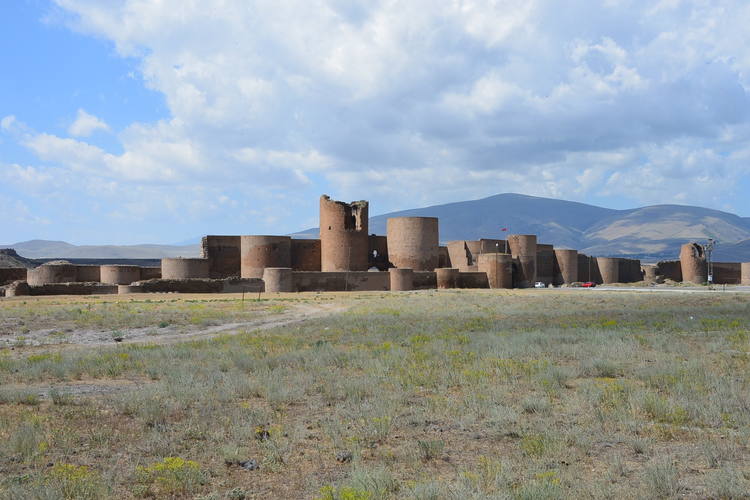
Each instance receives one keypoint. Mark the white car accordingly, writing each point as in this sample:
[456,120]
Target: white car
[539,284]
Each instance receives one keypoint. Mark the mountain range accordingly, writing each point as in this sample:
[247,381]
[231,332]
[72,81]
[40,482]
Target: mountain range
[45,249]
[650,233]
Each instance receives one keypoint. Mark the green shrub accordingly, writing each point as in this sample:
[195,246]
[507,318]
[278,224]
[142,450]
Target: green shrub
[171,476]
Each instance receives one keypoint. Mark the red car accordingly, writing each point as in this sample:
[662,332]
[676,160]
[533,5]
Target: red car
[588,284]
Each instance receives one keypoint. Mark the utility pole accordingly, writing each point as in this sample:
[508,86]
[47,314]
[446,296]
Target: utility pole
[497,257]
[708,248]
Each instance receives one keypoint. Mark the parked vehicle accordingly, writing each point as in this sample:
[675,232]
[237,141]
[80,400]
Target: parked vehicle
[588,284]
[539,284]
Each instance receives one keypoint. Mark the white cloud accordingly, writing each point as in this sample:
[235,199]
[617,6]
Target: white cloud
[446,99]
[86,124]
[7,122]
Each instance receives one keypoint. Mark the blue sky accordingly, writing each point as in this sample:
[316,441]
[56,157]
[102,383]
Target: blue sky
[128,121]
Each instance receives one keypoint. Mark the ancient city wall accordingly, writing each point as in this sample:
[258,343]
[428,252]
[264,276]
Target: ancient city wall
[223,254]
[305,255]
[669,269]
[425,280]
[545,263]
[444,258]
[205,285]
[487,245]
[341,281]
[584,268]
[634,274]
[463,254]
[377,252]
[498,269]
[69,288]
[150,272]
[413,242]
[472,280]
[15,289]
[86,273]
[343,235]
[745,273]
[727,273]
[629,270]
[238,285]
[10,274]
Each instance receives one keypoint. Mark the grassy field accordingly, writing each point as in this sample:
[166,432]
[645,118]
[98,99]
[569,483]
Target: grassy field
[425,395]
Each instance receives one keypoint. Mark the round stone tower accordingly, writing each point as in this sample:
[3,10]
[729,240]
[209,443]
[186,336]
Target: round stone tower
[52,273]
[278,279]
[413,242]
[446,277]
[523,250]
[260,252]
[180,268]
[119,274]
[402,279]
[566,266]
[609,269]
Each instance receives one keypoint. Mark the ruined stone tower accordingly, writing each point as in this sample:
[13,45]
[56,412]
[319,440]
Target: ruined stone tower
[693,263]
[343,235]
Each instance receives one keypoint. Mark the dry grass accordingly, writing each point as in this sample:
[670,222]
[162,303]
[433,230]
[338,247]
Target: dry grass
[460,394]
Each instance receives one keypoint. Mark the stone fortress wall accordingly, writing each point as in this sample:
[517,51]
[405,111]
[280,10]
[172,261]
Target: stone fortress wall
[347,258]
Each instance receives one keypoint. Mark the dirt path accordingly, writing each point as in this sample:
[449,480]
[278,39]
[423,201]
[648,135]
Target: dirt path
[302,312]
[86,339]
[172,334]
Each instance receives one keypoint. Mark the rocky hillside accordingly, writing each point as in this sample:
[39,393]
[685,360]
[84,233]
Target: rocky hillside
[10,258]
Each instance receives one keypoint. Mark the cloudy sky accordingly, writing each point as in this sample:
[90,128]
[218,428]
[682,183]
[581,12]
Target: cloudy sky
[127,121]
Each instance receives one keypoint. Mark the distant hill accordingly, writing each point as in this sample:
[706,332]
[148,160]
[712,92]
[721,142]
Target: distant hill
[651,233]
[43,249]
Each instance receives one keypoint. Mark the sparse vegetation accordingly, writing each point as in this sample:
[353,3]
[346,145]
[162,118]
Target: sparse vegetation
[429,395]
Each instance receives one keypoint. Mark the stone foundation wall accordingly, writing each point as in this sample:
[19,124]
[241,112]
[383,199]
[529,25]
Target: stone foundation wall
[473,280]
[202,285]
[339,281]
[73,289]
